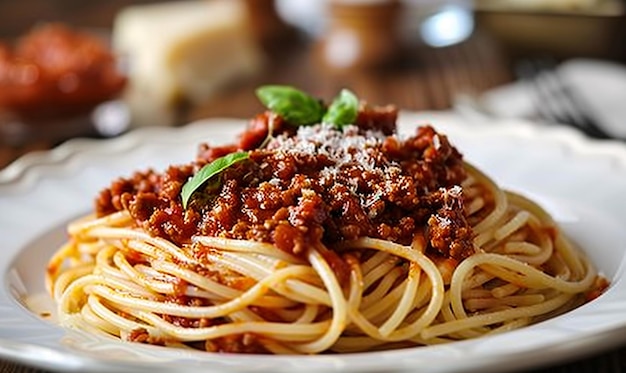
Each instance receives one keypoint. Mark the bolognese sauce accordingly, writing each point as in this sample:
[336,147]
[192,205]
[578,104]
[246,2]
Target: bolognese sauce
[316,184]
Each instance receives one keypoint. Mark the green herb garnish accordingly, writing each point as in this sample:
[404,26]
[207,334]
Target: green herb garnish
[300,109]
[343,110]
[294,105]
[207,172]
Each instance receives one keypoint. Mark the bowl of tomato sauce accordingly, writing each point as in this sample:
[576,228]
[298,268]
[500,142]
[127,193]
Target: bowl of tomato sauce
[52,79]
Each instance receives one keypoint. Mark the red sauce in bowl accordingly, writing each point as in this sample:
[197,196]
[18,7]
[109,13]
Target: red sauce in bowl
[55,71]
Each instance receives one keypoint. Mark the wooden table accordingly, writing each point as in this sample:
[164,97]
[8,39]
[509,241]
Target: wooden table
[423,79]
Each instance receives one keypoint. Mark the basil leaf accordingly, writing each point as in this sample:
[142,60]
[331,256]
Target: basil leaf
[207,172]
[343,110]
[294,105]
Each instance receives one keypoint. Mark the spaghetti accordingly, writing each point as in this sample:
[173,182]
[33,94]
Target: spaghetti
[325,240]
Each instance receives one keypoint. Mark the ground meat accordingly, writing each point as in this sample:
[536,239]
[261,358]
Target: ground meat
[141,335]
[377,118]
[237,343]
[254,136]
[247,343]
[321,185]
[448,230]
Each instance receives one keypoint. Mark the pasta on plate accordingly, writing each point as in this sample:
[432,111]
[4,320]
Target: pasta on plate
[319,230]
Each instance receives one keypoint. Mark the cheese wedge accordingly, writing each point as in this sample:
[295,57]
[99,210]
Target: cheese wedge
[182,51]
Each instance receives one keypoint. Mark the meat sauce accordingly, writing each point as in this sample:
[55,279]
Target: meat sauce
[312,186]
[309,186]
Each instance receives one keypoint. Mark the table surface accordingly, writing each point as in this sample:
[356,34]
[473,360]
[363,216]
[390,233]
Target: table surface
[423,79]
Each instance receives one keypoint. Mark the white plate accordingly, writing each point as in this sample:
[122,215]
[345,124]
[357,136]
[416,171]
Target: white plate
[582,183]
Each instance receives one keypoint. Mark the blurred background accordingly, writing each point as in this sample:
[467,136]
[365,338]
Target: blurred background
[71,68]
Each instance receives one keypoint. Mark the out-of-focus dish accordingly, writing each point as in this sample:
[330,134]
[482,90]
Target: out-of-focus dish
[567,28]
[52,78]
[558,6]
[59,178]
[55,70]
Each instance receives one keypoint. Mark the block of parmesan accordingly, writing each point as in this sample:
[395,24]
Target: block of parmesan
[182,51]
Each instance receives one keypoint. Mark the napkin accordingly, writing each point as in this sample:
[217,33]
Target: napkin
[599,85]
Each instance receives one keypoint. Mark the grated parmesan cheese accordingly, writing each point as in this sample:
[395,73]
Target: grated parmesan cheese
[343,147]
